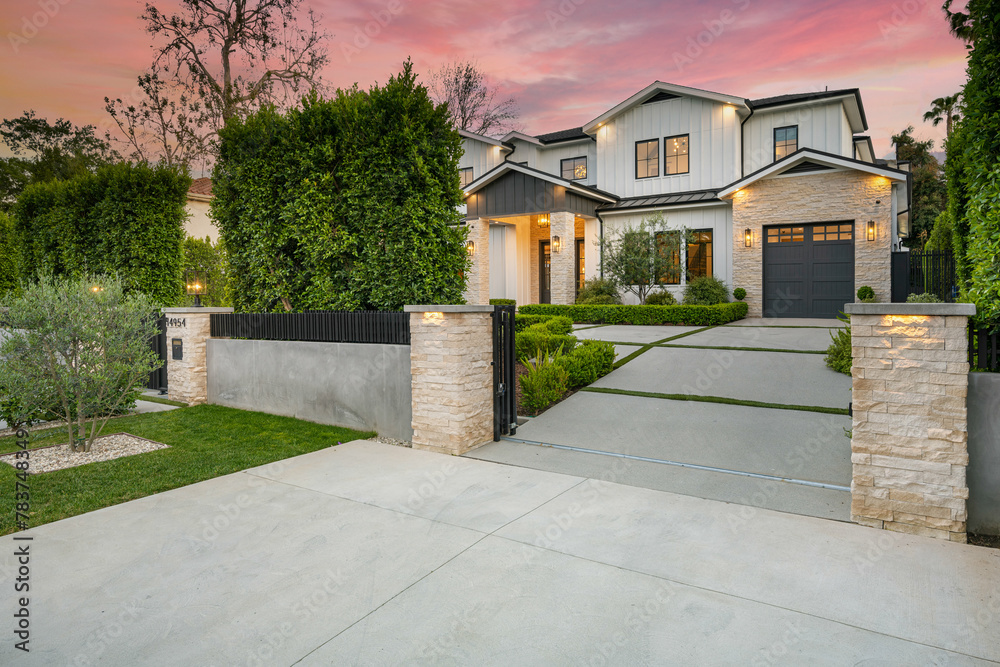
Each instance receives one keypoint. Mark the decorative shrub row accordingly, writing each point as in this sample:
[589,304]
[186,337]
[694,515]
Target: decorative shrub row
[522,322]
[528,343]
[608,314]
[503,302]
[549,376]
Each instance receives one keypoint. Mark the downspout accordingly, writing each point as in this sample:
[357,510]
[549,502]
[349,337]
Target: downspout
[743,145]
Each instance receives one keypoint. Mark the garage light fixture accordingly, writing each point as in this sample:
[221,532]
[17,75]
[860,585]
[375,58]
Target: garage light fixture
[555,244]
[748,238]
[871,230]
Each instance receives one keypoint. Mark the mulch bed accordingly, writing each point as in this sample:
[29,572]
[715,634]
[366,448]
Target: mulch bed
[990,541]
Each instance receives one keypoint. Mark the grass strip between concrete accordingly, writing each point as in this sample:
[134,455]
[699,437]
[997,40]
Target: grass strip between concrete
[746,349]
[785,326]
[649,346]
[717,399]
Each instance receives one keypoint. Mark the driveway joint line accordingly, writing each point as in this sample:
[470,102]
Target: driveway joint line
[722,400]
[738,348]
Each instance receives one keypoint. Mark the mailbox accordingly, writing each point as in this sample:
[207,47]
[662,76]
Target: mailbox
[177,346]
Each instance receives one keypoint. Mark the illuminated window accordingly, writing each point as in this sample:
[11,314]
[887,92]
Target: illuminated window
[785,234]
[841,232]
[670,242]
[675,155]
[786,141]
[647,158]
[699,254]
[466,175]
[574,168]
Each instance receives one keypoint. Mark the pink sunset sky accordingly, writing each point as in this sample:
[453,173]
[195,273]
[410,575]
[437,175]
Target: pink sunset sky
[565,61]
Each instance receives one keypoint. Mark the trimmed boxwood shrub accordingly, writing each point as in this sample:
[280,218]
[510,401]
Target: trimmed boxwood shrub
[866,294]
[589,362]
[612,314]
[536,337]
[661,298]
[739,294]
[503,302]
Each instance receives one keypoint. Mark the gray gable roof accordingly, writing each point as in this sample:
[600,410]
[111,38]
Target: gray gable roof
[562,135]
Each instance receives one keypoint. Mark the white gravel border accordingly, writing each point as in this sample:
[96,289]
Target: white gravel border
[106,448]
[391,441]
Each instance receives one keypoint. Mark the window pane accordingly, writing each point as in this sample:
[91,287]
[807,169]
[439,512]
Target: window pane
[670,242]
[580,170]
[567,170]
[699,254]
[466,176]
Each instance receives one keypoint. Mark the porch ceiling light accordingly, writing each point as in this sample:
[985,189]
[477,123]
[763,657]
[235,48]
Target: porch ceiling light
[470,246]
[543,220]
[748,238]
[556,245]
[871,230]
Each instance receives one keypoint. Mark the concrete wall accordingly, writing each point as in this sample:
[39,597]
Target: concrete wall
[366,387]
[984,453]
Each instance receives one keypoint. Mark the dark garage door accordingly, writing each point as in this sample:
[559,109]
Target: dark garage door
[808,269]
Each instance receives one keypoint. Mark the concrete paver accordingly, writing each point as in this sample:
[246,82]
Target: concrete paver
[769,337]
[786,322]
[246,570]
[627,333]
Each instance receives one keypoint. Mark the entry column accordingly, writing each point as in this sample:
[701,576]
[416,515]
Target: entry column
[562,233]
[477,286]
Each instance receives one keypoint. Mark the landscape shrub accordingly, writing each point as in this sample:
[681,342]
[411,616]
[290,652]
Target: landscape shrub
[538,337]
[558,324]
[503,302]
[926,297]
[598,290]
[592,360]
[705,291]
[9,276]
[634,314]
[739,294]
[210,259]
[601,300]
[123,219]
[838,355]
[545,382]
[661,298]
[866,294]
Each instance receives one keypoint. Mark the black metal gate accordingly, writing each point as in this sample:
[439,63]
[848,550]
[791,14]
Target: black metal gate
[931,272]
[504,361]
[158,378]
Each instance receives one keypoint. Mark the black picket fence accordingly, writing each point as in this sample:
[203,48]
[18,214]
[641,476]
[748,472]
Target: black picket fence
[361,326]
[917,272]
[983,353]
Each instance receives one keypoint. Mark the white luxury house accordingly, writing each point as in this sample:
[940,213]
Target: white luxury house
[783,197]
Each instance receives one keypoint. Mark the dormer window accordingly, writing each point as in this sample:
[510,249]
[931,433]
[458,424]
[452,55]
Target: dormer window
[466,176]
[647,158]
[574,168]
[675,155]
[786,141]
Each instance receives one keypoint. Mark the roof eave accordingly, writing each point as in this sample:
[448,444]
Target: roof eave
[656,87]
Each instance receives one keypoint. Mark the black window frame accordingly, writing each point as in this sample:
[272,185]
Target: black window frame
[774,136]
[688,154]
[562,170]
[709,257]
[636,156]
[461,173]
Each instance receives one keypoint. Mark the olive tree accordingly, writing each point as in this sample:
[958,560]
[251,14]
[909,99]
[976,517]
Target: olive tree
[639,258]
[75,350]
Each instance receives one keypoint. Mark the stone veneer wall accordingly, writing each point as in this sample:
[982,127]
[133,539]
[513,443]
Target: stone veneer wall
[451,355]
[825,197]
[477,285]
[187,378]
[910,434]
[563,277]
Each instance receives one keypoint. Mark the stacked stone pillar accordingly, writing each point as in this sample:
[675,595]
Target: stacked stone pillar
[563,258]
[187,377]
[909,445]
[451,355]
[477,286]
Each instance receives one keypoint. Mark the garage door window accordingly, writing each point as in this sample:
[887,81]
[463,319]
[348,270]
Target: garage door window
[785,234]
[832,232]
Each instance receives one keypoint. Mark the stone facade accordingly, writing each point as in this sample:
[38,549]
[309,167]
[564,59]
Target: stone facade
[477,287]
[187,378]
[563,275]
[910,433]
[825,197]
[451,355]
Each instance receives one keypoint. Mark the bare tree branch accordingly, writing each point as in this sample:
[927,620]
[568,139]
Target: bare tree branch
[472,100]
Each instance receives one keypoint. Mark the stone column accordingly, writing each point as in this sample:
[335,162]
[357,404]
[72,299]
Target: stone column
[477,285]
[187,377]
[451,355]
[563,267]
[910,435]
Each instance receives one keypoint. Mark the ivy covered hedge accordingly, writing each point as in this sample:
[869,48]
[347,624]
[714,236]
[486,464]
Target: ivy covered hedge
[722,313]
[123,219]
[343,204]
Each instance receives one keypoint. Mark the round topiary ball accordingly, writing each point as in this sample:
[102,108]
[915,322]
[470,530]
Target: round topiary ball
[739,293]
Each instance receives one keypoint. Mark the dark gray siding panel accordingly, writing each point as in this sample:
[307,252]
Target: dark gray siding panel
[515,193]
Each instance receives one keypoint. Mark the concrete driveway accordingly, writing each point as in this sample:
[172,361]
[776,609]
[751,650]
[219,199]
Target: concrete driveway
[367,554]
[790,460]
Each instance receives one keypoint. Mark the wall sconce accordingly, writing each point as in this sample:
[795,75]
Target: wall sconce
[555,244]
[196,286]
[748,238]
[543,220]
[470,247]
[871,230]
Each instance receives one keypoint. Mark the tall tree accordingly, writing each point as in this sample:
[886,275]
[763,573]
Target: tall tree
[45,152]
[945,109]
[475,104]
[929,196]
[215,61]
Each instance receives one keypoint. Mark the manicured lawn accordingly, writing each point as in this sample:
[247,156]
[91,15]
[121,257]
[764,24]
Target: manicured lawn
[205,442]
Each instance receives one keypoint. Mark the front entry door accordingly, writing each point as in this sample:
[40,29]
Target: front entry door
[545,272]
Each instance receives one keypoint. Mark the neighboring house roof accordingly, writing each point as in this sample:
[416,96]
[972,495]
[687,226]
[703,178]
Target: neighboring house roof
[821,158]
[201,189]
[656,88]
[572,134]
[851,97]
[505,167]
[659,201]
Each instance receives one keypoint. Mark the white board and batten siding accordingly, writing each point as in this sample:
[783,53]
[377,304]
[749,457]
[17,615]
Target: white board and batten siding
[479,155]
[713,146]
[824,127]
[550,157]
[718,218]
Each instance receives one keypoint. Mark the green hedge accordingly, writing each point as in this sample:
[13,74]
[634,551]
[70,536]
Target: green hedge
[722,313]
[503,302]
[554,323]
[528,343]
[123,219]
[589,362]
